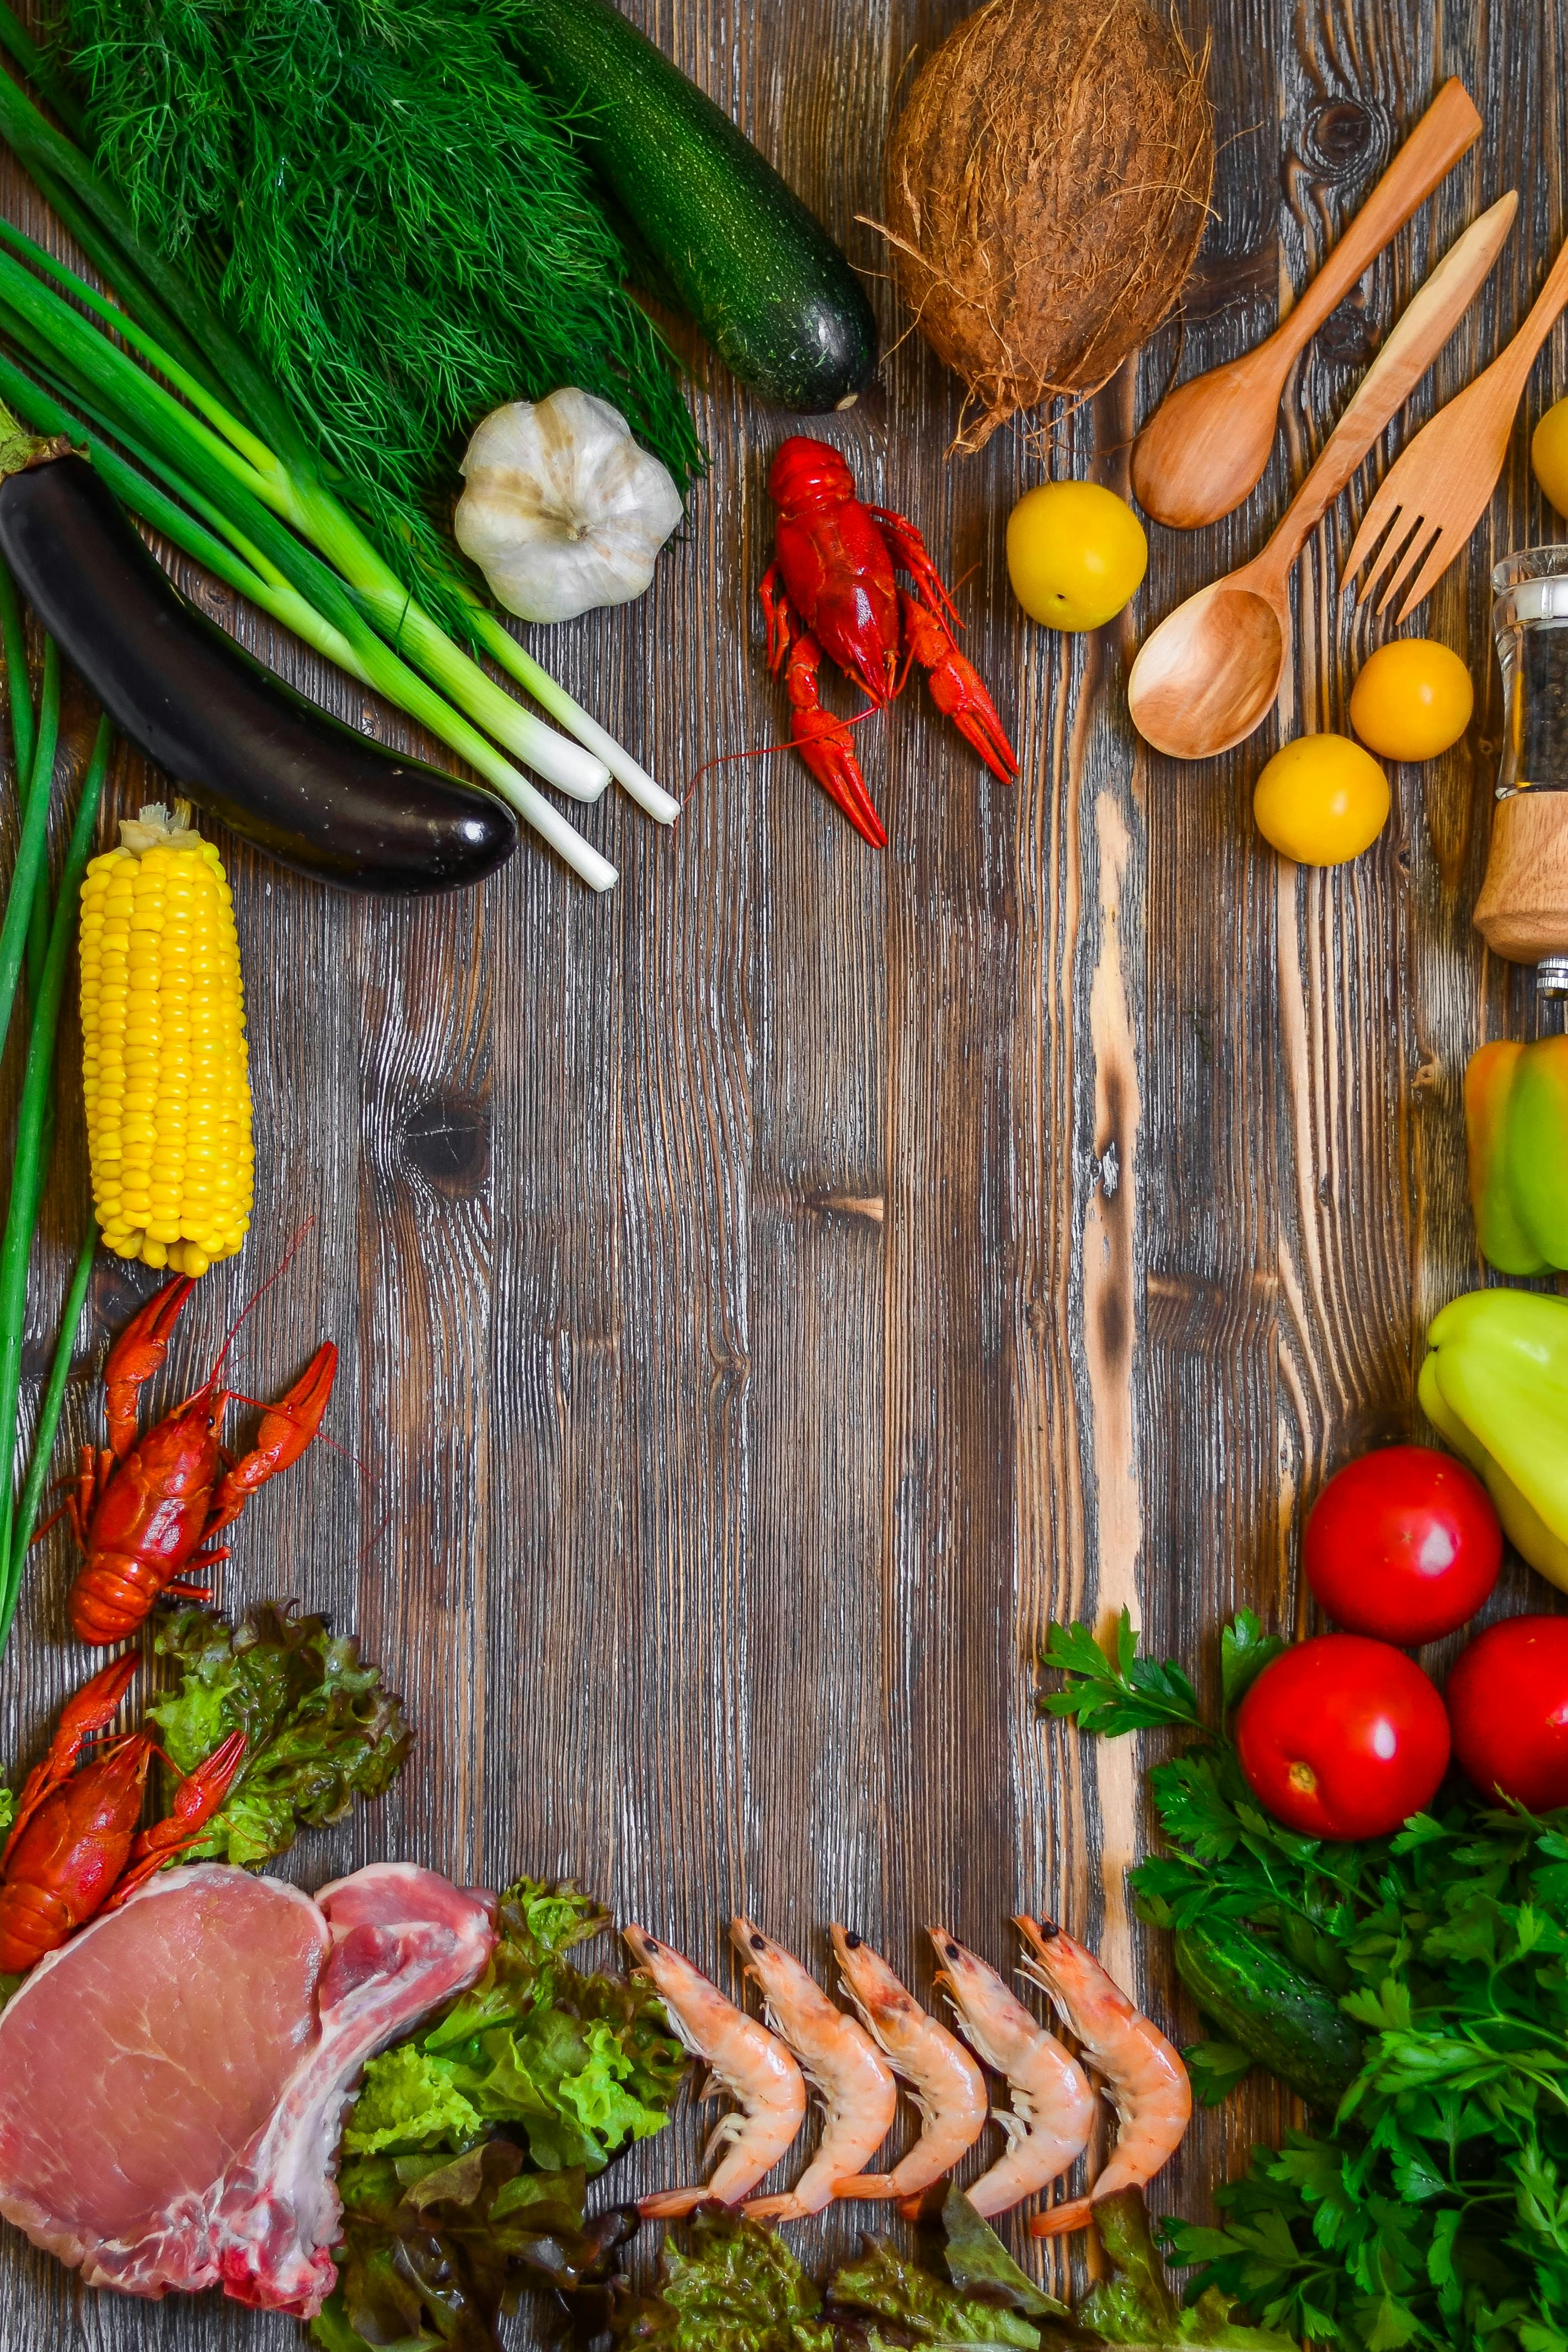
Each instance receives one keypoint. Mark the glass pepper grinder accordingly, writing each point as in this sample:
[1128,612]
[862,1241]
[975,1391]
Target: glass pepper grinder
[1523,910]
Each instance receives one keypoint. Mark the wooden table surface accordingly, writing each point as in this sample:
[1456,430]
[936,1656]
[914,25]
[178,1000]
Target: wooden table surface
[770,1293]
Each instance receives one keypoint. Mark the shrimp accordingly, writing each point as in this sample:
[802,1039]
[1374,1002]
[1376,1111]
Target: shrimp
[1147,2082]
[1053,2107]
[946,2084]
[749,2062]
[858,2093]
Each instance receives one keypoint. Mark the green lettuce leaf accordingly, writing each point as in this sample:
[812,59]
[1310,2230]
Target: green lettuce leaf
[436,2248]
[924,2308]
[734,2287]
[320,1730]
[579,2065]
[409,2101]
[978,2263]
[467,2153]
[1136,2304]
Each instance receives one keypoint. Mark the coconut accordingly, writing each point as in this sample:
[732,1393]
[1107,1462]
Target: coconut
[1048,184]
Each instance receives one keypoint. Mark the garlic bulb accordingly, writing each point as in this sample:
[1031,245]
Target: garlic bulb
[563,512]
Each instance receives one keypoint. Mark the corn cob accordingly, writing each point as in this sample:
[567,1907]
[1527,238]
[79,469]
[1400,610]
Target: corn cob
[163,1060]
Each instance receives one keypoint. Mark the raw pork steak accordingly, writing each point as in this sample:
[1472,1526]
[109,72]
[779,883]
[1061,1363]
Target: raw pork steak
[172,2080]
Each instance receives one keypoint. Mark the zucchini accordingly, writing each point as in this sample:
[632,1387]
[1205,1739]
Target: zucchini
[738,250]
[1287,2022]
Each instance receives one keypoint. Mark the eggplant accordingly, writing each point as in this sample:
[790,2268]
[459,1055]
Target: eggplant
[267,763]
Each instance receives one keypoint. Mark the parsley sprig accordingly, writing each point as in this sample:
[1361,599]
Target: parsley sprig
[1433,2212]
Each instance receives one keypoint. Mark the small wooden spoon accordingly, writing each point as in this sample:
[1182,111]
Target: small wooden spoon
[1211,672]
[1208,441]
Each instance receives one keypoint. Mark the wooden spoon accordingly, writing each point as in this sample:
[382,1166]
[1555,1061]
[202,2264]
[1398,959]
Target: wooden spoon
[1211,672]
[1208,441]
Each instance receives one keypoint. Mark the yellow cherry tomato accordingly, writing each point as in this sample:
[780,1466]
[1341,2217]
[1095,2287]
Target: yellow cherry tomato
[1413,699]
[1322,800]
[1076,553]
[1549,454]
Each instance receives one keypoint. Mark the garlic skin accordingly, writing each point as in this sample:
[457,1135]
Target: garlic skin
[562,511]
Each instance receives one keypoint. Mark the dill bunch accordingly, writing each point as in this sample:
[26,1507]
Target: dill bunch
[398,221]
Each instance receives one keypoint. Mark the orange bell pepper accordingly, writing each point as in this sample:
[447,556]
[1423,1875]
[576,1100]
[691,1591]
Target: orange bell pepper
[1516,1118]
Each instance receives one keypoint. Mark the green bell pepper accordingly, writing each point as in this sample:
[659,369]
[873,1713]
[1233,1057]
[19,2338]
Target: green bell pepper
[1495,1387]
[1516,1118]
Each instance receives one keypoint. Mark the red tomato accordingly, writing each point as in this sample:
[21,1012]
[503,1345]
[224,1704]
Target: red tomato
[1508,1703]
[1343,1738]
[1404,1543]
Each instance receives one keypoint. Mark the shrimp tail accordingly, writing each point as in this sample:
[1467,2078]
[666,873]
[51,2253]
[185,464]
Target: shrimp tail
[785,2206]
[1058,2220]
[877,2185]
[925,2204]
[673,2204]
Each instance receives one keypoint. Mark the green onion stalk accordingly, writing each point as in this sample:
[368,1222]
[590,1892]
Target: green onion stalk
[248,497]
[215,461]
[38,738]
[48,1423]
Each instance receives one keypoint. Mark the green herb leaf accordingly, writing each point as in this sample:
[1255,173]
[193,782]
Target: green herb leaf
[1215,2070]
[1113,1692]
[1434,2213]
[320,1731]
[1244,1651]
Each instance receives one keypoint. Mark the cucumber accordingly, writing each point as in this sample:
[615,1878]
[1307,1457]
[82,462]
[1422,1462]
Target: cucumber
[1287,2022]
[760,276]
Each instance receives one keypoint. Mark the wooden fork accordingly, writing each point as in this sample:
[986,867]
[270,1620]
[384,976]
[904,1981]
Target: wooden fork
[1436,490]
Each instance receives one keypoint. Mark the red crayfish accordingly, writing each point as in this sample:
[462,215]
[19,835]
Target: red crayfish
[832,589]
[145,1511]
[74,1850]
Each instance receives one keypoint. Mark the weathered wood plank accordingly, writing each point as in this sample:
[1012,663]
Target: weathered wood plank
[768,1295]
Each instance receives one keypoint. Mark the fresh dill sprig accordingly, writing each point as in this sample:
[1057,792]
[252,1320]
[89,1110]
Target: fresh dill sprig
[397,220]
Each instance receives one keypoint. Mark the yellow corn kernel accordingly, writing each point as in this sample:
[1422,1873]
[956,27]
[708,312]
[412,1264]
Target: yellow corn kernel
[164,1075]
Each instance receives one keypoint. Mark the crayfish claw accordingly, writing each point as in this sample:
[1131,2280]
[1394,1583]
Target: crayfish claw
[825,743]
[136,1355]
[198,1798]
[956,687]
[287,1429]
[87,1711]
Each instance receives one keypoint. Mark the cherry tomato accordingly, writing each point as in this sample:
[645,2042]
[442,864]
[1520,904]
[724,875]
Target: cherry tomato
[1322,800]
[1549,454]
[1343,1738]
[1076,553]
[1413,699]
[1404,1543]
[1508,1704]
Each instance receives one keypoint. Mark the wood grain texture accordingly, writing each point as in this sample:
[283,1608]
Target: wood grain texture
[767,1295]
